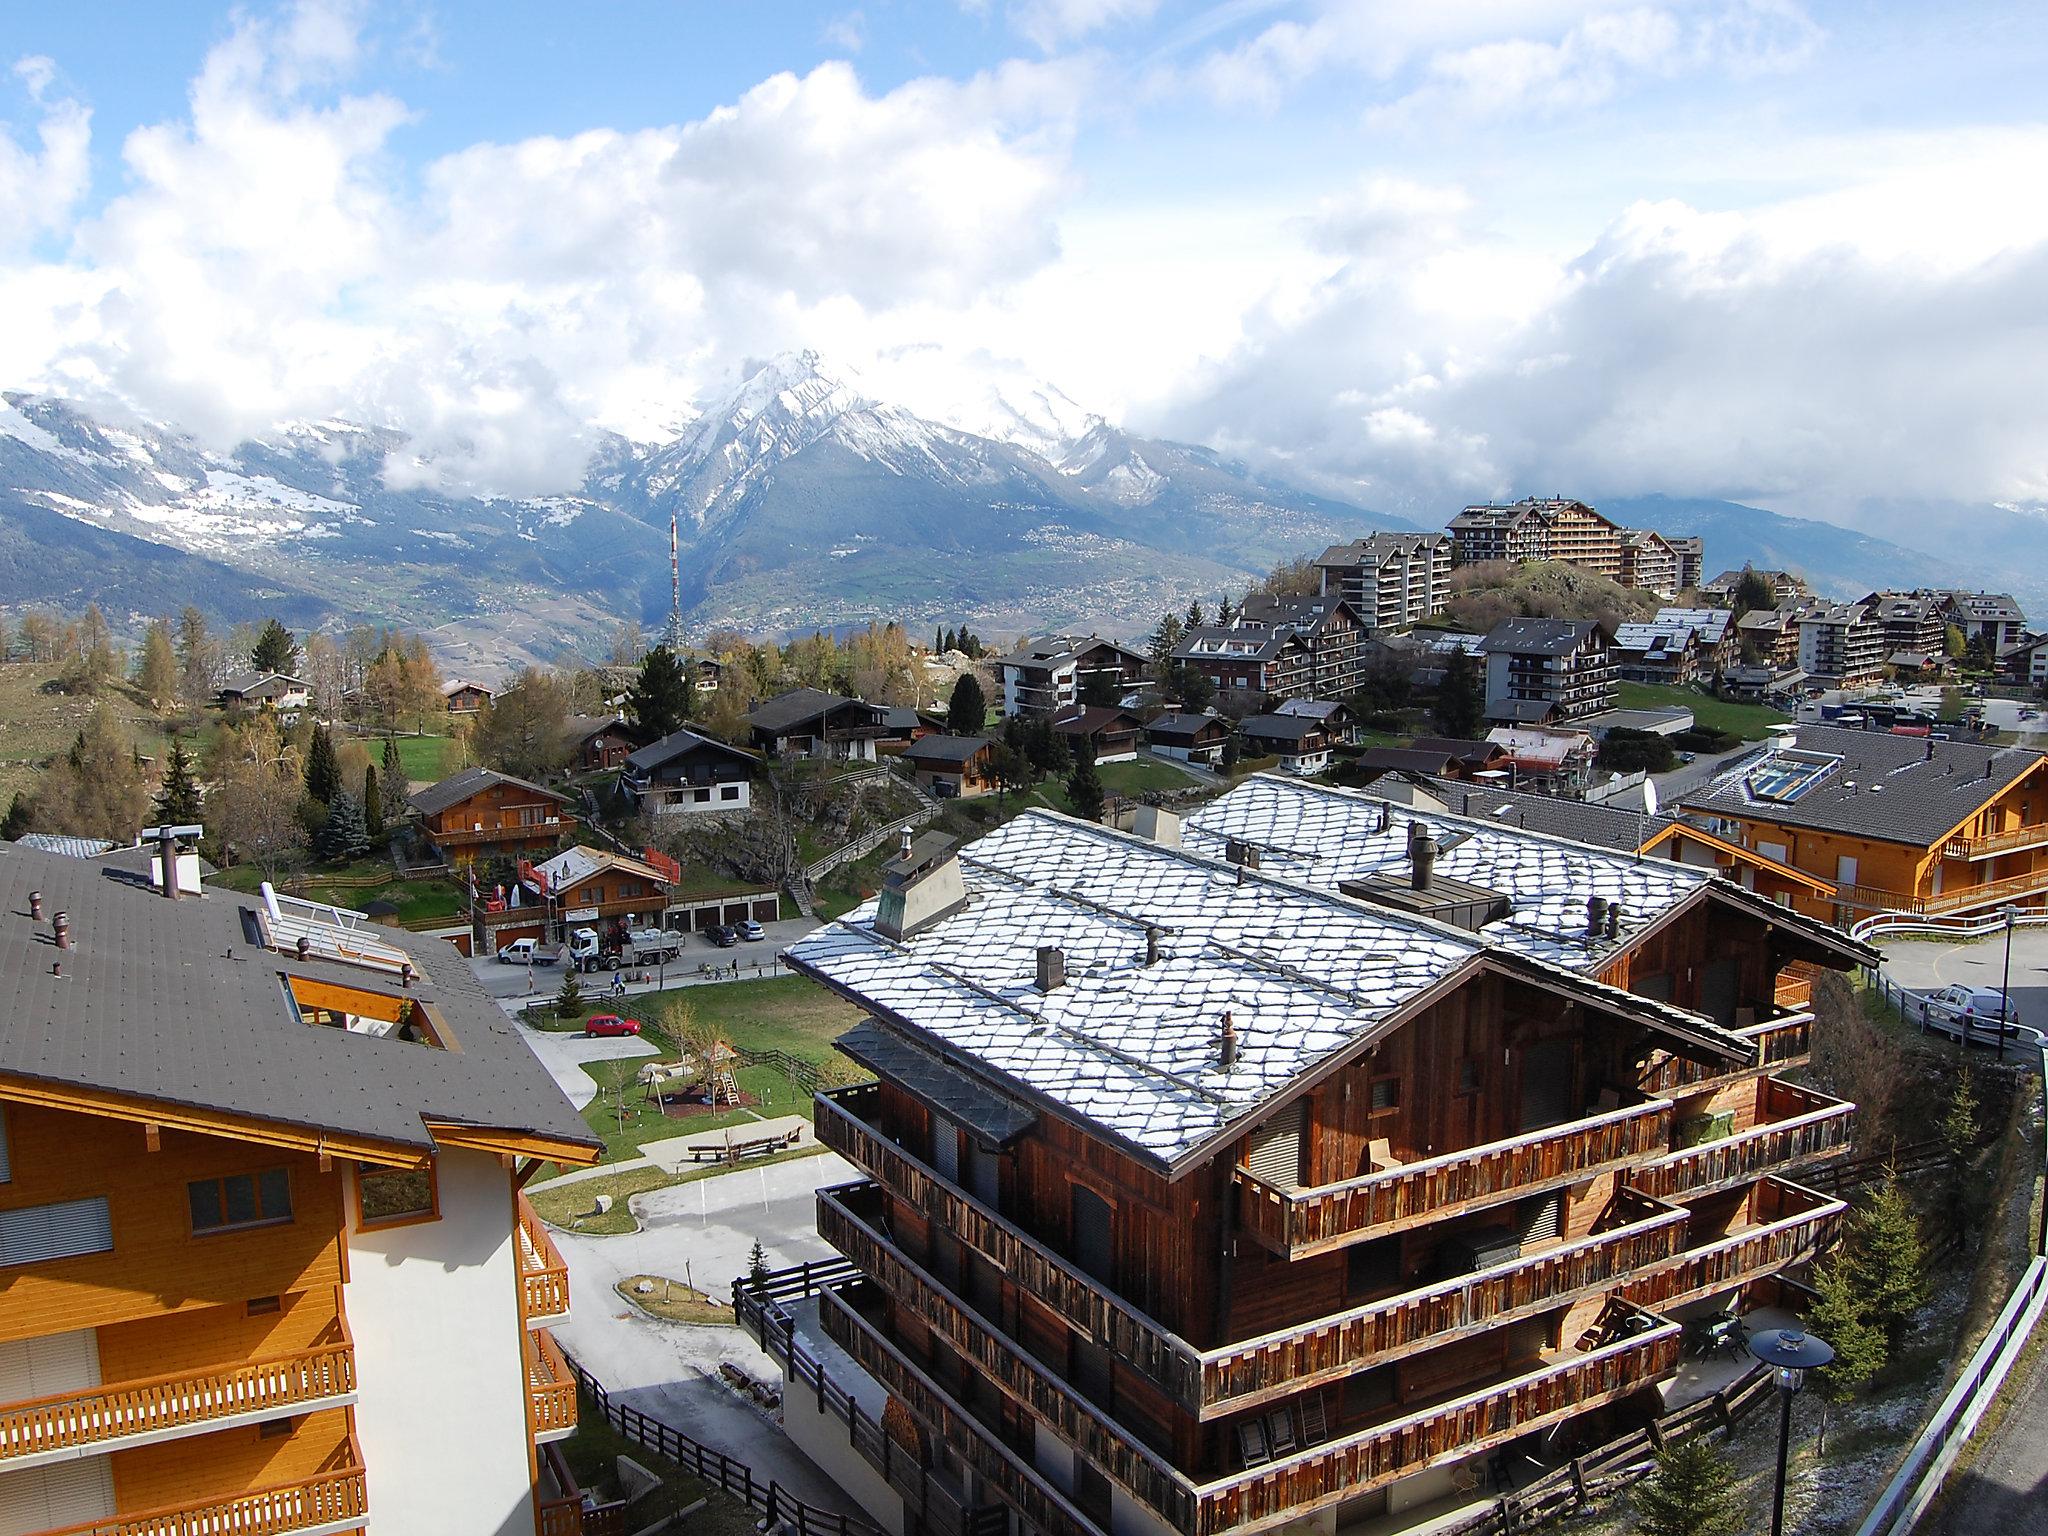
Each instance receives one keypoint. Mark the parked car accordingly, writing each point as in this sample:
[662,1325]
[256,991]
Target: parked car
[1978,1010]
[528,952]
[725,937]
[610,1024]
[752,931]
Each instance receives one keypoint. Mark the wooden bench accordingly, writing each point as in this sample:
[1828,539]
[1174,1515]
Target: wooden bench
[735,1151]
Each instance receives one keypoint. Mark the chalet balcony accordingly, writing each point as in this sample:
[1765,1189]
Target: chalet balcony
[62,1427]
[1956,898]
[1779,1225]
[522,832]
[1298,1222]
[325,1503]
[550,1388]
[1630,1353]
[1989,845]
[1780,1042]
[543,1272]
[1286,1362]
[1793,1126]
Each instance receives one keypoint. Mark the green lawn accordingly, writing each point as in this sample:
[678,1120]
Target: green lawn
[416,900]
[1751,722]
[426,759]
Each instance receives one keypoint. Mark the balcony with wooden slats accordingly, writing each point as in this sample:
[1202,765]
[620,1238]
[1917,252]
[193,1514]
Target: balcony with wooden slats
[1277,1492]
[1794,1126]
[543,1272]
[324,1504]
[1139,1341]
[1781,1225]
[1297,1222]
[120,1414]
[1780,1042]
[1990,845]
[550,1388]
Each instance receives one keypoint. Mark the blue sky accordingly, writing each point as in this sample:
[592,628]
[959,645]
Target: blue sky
[1754,248]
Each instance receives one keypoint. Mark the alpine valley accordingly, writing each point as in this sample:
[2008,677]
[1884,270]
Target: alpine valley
[800,502]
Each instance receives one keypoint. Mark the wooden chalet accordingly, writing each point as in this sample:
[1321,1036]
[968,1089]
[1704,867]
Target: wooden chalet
[598,742]
[808,722]
[1112,735]
[464,697]
[688,773]
[1299,741]
[1289,1165]
[1193,738]
[953,767]
[480,813]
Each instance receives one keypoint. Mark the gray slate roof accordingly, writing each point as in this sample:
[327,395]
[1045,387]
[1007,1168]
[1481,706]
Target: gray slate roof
[1182,725]
[781,715]
[1279,727]
[1901,789]
[175,1002]
[1601,826]
[944,749]
[1540,637]
[455,789]
[679,744]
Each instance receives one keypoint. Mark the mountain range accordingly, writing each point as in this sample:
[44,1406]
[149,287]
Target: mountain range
[801,502]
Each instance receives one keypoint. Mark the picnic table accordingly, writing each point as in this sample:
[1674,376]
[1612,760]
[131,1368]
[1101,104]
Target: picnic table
[733,1151]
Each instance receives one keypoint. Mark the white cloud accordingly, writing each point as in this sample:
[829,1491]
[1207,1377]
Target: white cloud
[847,33]
[1051,23]
[40,187]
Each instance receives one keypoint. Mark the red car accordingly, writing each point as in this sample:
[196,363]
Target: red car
[610,1024]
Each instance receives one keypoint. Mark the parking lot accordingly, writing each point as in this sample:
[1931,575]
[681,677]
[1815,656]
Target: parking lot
[514,983]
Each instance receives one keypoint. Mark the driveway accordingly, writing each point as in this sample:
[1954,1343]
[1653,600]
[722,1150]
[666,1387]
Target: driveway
[516,983]
[702,1233]
[564,1055]
[1925,965]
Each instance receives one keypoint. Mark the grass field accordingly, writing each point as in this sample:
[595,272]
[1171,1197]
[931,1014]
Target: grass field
[1751,722]
[37,723]
[426,759]
[416,900]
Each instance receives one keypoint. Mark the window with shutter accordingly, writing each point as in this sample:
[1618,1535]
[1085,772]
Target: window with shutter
[946,1147]
[1542,1219]
[1274,1156]
[36,1233]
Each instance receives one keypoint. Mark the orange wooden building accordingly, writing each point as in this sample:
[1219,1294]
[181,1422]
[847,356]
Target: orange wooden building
[261,1223]
[479,813]
[1282,1170]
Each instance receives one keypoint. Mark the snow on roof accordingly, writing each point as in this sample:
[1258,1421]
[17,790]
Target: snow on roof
[1323,837]
[1129,1047]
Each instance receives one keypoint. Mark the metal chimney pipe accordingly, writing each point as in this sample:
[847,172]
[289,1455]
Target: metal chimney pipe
[1614,919]
[305,947]
[167,859]
[1152,937]
[405,976]
[1226,1044]
[1596,916]
[35,906]
[61,926]
[903,845]
[1421,856]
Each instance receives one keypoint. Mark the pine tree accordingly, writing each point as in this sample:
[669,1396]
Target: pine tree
[939,641]
[1084,787]
[373,804]
[1959,1141]
[1165,636]
[18,819]
[661,698]
[323,770]
[157,674]
[569,1001]
[397,789]
[1225,613]
[757,1264]
[1840,1317]
[275,650]
[1232,752]
[1889,1258]
[343,836]
[1195,619]
[967,709]
[1460,698]
[1691,1493]
[177,802]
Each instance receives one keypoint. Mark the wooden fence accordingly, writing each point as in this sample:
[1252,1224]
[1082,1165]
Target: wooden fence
[716,1468]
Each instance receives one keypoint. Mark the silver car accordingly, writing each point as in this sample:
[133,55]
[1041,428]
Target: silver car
[1978,1010]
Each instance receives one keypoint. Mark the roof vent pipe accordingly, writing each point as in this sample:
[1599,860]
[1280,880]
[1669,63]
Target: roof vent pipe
[60,926]
[35,906]
[405,975]
[1596,916]
[1614,919]
[305,947]
[903,846]
[167,860]
[1152,937]
[1421,856]
[1226,1043]
[1052,968]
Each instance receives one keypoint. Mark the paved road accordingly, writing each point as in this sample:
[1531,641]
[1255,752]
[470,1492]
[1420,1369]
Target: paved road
[702,1232]
[2004,1490]
[517,982]
[1923,965]
[564,1055]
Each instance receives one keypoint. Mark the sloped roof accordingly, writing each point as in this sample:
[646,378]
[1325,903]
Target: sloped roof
[1540,637]
[782,714]
[1087,719]
[458,787]
[944,749]
[1279,727]
[582,727]
[680,744]
[1182,723]
[573,866]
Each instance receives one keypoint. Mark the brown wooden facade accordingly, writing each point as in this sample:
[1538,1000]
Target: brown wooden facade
[1467,1232]
[504,819]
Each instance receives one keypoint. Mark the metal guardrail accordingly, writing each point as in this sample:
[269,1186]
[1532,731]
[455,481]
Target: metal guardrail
[867,843]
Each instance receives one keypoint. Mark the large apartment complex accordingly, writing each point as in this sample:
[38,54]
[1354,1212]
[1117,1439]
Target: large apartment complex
[1543,670]
[1277,1169]
[1284,647]
[1391,580]
[1560,528]
[268,1268]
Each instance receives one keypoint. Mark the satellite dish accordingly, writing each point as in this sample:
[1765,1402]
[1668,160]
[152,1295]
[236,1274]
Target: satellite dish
[1650,796]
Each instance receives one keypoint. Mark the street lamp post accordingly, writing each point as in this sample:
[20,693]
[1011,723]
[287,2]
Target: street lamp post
[2011,916]
[1791,1353]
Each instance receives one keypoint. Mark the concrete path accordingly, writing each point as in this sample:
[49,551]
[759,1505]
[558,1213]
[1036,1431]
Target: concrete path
[702,1233]
[564,1054]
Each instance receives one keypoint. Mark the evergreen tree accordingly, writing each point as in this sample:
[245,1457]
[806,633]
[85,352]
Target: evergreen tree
[1191,688]
[397,789]
[275,650]
[1691,1493]
[18,819]
[1160,647]
[342,836]
[157,673]
[1195,619]
[966,709]
[1225,613]
[569,1001]
[1101,689]
[1232,752]
[1084,787]
[1752,591]
[939,642]
[177,802]
[1840,1317]
[373,803]
[1460,698]
[757,1264]
[1959,1141]
[661,698]
[1889,1258]
[323,770]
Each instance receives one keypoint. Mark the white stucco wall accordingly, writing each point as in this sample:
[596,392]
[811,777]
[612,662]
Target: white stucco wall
[441,1385]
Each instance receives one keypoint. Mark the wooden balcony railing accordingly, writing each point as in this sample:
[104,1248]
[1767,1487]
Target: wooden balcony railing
[1299,1222]
[1280,1364]
[1805,1229]
[1140,1342]
[1794,987]
[1795,1125]
[543,1273]
[326,1501]
[1315,1478]
[56,1427]
[1988,845]
[510,832]
[1778,1041]
[560,1517]
[1957,898]
[550,1387]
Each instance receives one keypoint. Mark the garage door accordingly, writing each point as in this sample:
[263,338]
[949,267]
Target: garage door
[767,910]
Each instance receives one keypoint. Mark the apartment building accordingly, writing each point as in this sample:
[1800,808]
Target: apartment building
[1691,553]
[1648,562]
[1391,580]
[1772,634]
[1896,823]
[482,814]
[1288,648]
[1659,651]
[268,1268]
[1913,623]
[1786,588]
[1277,1170]
[1046,677]
[1841,645]
[1544,670]
[1714,631]
[1989,619]
[1546,528]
